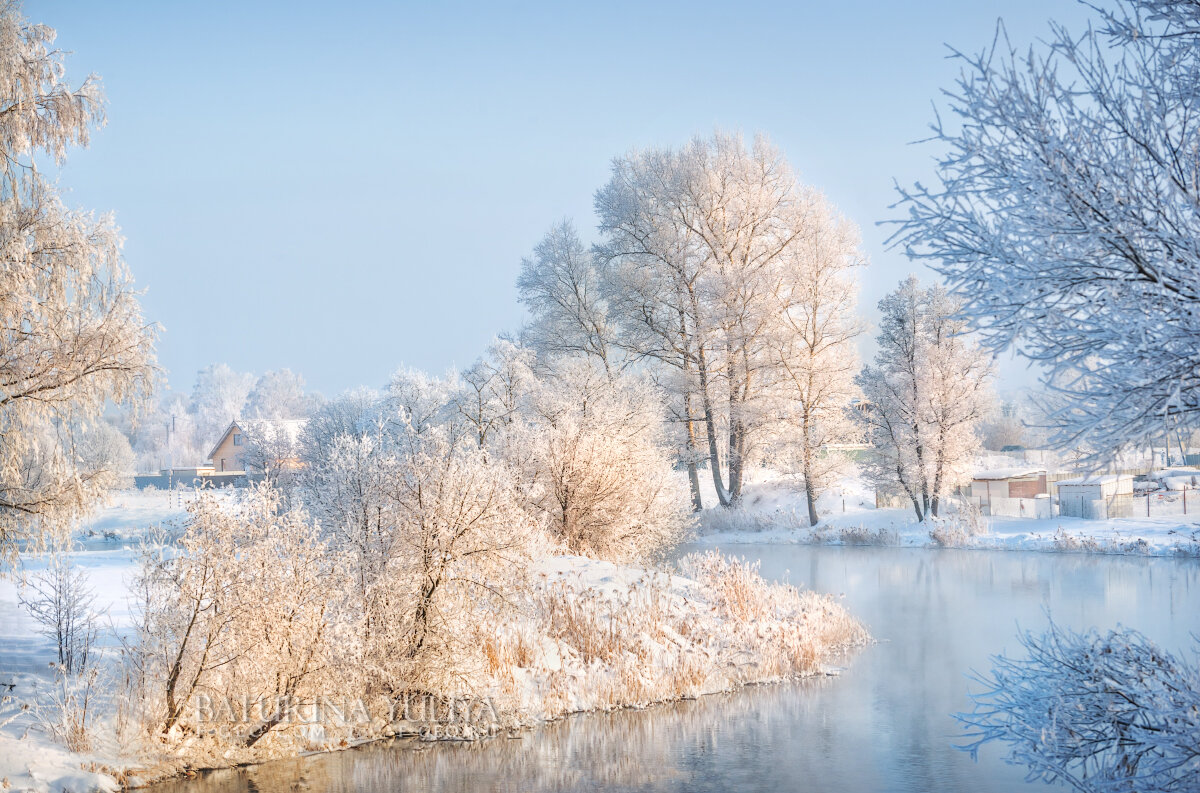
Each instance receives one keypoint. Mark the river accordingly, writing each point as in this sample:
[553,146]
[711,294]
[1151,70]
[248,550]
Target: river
[884,724]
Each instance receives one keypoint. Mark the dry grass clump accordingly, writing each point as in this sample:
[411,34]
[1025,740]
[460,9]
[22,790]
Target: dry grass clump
[958,529]
[772,631]
[578,641]
[1189,544]
[1067,542]
[861,535]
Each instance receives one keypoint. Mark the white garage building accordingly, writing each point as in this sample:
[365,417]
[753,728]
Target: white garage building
[1096,497]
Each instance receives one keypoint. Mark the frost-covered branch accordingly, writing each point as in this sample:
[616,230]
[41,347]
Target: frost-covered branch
[1101,713]
[1067,214]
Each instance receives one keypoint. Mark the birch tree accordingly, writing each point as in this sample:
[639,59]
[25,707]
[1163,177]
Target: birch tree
[656,295]
[747,211]
[927,389]
[1066,213]
[813,348]
[72,337]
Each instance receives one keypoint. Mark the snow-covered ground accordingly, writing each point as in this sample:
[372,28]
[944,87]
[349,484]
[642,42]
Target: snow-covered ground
[774,511]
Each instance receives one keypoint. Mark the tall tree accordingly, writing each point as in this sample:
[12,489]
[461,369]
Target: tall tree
[656,296]
[926,390]
[1067,214]
[813,348]
[72,337]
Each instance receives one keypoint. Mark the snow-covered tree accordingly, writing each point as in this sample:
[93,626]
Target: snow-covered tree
[656,295]
[1011,423]
[419,402]
[240,613]
[593,445]
[454,532]
[272,449]
[278,394]
[925,392]
[73,339]
[698,245]
[62,602]
[1067,211]
[812,345]
[1100,713]
[218,397]
[348,464]
[562,287]
[355,412]
[103,447]
[488,395]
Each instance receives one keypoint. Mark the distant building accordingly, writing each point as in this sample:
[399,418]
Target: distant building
[1009,483]
[230,453]
[1097,497]
[1012,492]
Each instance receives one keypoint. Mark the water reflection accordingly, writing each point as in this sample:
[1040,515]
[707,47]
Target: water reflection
[883,725]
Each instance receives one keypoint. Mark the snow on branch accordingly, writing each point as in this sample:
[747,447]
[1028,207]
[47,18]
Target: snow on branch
[1101,713]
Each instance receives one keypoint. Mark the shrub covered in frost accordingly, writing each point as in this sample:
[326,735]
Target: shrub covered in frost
[1101,713]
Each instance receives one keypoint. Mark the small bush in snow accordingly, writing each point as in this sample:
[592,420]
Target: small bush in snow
[61,602]
[69,714]
[745,518]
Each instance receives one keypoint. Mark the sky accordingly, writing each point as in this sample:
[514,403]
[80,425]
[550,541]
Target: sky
[344,188]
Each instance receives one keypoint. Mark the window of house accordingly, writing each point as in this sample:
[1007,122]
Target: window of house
[237,439]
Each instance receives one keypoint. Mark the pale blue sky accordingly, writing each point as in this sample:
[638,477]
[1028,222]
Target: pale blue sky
[339,188]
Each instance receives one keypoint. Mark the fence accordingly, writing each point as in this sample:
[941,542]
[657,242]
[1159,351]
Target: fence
[171,482]
[1003,507]
[1156,504]
[1019,507]
[1164,503]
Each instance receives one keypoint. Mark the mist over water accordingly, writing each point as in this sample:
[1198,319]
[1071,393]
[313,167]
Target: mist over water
[884,724]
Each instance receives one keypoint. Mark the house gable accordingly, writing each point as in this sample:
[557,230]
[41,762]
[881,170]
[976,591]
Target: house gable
[227,455]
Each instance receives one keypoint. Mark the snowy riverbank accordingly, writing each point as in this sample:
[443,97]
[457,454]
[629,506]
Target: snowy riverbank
[774,512]
[586,635]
